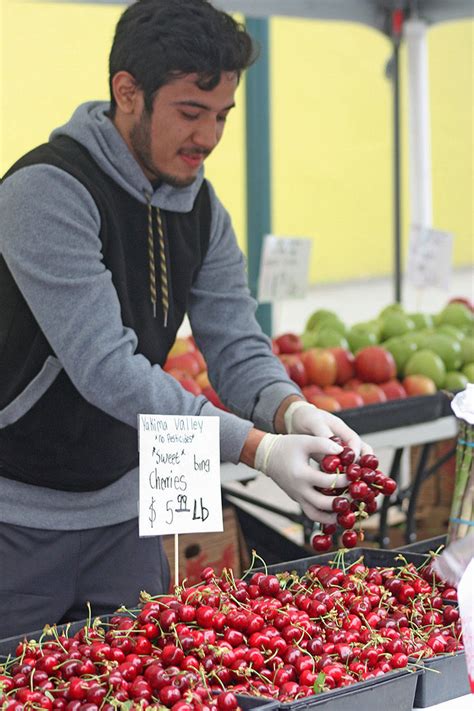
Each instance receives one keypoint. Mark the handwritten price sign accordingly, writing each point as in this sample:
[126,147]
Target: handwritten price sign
[284,268]
[179,475]
[430,258]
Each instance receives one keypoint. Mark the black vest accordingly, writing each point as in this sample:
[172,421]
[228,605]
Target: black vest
[62,441]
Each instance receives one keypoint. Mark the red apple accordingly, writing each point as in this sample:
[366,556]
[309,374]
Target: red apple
[200,360]
[180,346]
[325,402]
[186,361]
[202,379]
[419,385]
[345,364]
[275,348]
[332,390]
[185,380]
[295,368]
[320,365]
[191,385]
[393,389]
[348,399]
[209,392]
[371,393]
[462,300]
[289,343]
[374,364]
[352,384]
[310,390]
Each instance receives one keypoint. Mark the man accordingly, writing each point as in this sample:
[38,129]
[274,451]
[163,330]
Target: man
[110,235]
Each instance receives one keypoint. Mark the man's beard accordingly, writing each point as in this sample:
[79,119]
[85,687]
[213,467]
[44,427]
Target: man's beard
[140,140]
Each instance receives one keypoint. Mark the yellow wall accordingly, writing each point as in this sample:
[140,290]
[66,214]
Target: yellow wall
[331,128]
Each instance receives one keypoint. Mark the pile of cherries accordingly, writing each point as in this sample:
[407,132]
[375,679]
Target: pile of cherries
[283,636]
[355,502]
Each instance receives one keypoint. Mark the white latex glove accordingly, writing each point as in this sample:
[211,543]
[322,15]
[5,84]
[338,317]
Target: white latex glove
[286,460]
[304,418]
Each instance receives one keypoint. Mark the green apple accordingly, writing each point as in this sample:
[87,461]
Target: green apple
[396,323]
[468,371]
[456,314]
[328,337]
[358,338]
[401,349]
[421,320]
[390,309]
[429,363]
[447,348]
[456,333]
[319,316]
[308,339]
[418,337]
[333,322]
[467,349]
[455,380]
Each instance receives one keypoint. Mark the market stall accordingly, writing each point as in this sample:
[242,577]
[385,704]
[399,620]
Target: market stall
[353,625]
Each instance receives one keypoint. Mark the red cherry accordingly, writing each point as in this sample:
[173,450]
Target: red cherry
[369,460]
[353,472]
[346,520]
[340,505]
[358,490]
[349,539]
[389,486]
[331,463]
[347,456]
[321,543]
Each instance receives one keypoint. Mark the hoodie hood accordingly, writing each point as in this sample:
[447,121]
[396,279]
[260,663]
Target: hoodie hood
[91,127]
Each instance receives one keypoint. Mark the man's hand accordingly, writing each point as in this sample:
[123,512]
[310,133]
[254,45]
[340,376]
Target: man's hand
[286,460]
[304,418]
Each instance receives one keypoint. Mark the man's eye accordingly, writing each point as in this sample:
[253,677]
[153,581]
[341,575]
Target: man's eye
[188,116]
[222,119]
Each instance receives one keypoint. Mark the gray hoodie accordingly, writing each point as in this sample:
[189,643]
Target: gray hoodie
[50,242]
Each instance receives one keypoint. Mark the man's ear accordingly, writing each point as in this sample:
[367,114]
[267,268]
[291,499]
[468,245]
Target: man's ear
[126,92]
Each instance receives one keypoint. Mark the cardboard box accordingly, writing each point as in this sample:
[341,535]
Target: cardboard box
[224,549]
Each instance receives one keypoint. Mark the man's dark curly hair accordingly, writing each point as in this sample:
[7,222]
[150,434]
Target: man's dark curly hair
[159,40]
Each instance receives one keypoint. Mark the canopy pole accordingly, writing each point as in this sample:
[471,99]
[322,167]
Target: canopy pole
[257,97]
[397,209]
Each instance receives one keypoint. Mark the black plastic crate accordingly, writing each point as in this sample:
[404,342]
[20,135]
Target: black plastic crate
[444,678]
[394,691]
[397,413]
[429,544]
[372,557]
[256,702]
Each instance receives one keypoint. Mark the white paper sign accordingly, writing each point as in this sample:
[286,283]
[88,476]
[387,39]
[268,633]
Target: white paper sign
[180,488]
[284,267]
[429,258]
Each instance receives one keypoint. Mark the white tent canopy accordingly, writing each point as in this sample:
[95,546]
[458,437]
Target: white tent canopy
[368,12]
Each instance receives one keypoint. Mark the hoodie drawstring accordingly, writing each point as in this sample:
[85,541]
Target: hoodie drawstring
[151,262]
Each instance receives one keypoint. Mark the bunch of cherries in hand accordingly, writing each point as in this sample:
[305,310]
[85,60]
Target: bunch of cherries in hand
[355,502]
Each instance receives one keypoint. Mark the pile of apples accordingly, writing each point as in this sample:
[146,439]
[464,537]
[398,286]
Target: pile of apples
[396,355]
[186,364]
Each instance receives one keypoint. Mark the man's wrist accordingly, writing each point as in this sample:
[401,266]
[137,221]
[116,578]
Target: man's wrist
[247,455]
[279,421]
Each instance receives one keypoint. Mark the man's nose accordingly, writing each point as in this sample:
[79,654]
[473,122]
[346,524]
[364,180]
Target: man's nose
[207,135]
